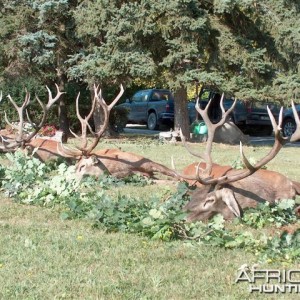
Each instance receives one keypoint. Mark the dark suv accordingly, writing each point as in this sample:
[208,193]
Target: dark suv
[250,117]
[151,107]
[154,107]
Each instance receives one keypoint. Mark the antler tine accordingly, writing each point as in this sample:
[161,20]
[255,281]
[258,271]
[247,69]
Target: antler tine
[98,135]
[204,112]
[20,111]
[52,100]
[296,135]
[278,144]
[210,133]
[9,123]
[195,178]
[226,113]
[211,128]
[84,123]
[45,108]
[19,128]
[110,106]
[67,151]
[0,96]
[106,110]
[37,127]
[84,149]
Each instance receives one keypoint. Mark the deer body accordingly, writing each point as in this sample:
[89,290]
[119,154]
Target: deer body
[44,149]
[119,164]
[7,134]
[221,189]
[261,186]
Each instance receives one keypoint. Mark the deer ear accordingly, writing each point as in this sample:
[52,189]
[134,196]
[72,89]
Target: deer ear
[228,197]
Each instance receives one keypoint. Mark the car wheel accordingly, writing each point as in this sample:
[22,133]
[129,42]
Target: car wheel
[288,127]
[152,121]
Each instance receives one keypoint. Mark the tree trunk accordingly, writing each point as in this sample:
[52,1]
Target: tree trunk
[181,112]
[62,109]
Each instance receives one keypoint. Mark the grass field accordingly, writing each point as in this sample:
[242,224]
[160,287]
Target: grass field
[43,257]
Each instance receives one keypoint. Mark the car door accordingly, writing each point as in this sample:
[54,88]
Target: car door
[138,107]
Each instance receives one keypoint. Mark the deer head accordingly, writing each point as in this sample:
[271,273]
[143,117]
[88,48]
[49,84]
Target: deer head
[231,190]
[87,163]
[22,139]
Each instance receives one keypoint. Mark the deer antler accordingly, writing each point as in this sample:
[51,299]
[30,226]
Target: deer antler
[211,128]
[86,149]
[20,139]
[279,142]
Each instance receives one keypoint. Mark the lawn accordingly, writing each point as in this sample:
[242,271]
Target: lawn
[45,257]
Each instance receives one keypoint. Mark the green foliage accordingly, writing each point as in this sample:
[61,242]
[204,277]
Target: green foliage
[22,174]
[264,214]
[284,248]
[38,47]
[29,181]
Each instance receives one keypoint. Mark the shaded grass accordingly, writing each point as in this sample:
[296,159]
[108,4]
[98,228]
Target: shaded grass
[43,257]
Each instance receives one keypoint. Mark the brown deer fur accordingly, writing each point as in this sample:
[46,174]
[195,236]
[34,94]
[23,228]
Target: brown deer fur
[119,164]
[44,149]
[263,185]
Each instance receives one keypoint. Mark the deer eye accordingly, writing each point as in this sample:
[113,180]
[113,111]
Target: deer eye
[81,168]
[209,201]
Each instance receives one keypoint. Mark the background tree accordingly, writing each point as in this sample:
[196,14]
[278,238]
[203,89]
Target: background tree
[246,48]
[42,38]
[141,39]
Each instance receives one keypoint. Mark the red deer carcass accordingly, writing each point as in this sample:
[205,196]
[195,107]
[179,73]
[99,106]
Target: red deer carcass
[43,149]
[221,189]
[111,161]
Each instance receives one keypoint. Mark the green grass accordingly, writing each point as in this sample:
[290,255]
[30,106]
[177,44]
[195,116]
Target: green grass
[43,257]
